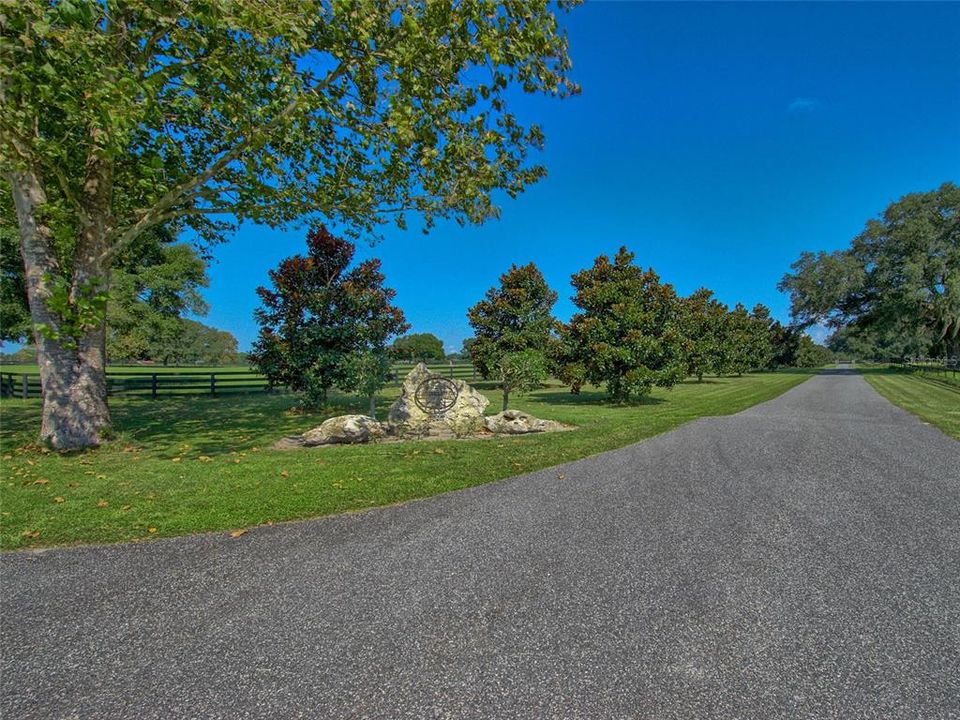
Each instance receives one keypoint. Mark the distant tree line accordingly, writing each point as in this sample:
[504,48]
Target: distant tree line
[326,322]
[421,347]
[632,332]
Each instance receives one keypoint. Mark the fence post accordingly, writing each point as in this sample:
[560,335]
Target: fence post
[25,386]
[153,386]
[213,383]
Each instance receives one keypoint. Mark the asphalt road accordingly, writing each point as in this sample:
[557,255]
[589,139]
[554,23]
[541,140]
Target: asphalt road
[797,560]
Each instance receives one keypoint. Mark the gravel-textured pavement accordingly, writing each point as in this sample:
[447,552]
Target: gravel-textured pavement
[797,560]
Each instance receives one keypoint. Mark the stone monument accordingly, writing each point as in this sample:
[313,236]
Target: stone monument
[432,405]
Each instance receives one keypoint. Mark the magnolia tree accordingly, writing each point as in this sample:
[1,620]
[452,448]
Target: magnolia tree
[324,323]
[122,116]
[515,316]
[626,333]
[700,319]
[514,330]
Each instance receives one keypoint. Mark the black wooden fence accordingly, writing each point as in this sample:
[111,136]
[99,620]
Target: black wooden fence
[945,367]
[184,381]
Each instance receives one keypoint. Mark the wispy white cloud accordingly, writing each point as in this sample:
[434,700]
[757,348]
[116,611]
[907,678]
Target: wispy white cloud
[803,104]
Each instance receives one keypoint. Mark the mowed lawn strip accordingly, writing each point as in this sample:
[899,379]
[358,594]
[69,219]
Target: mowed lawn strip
[198,464]
[932,399]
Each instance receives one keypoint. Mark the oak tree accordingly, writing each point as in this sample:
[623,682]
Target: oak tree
[418,346]
[897,285]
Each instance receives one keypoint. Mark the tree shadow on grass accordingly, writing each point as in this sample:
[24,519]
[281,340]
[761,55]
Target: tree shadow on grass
[216,425]
[591,397]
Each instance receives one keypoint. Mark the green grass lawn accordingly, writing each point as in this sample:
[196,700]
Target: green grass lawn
[183,465]
[931,398]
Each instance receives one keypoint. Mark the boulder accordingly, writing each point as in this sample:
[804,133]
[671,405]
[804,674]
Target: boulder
[514,422]
[432,405]
[344,429]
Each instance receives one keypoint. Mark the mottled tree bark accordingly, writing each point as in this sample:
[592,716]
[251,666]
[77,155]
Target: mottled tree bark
[72,370]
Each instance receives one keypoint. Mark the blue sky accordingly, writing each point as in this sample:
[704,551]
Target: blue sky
[717,141]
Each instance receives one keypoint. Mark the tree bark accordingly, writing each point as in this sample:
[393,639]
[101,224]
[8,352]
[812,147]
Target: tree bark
[75,413]
[373,406]
[506,398]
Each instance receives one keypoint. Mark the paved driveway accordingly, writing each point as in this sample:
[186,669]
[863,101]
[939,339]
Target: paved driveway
[798,560]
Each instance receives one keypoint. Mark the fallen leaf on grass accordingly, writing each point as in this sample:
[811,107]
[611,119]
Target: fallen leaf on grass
[284,473]
[31,533]
[205,458]
[102,503]
[439,451]
[41,481]
[238,533]
[151,530]
[176,459]
[58,499]
[8,457]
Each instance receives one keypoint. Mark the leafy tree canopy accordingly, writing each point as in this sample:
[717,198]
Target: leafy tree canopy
[700,319]
[520,371]
[418,346]
[148,299]
[899,280]
[325,323]
[513,317]
[625,335]
[359,111]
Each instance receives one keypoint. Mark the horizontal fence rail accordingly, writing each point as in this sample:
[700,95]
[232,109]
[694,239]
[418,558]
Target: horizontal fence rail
[186,381]
[946,367]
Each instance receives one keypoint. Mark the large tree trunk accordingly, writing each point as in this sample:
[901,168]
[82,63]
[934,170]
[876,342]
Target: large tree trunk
[72,370]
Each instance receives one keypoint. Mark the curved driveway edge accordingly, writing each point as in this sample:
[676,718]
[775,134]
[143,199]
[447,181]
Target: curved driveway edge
[798,559]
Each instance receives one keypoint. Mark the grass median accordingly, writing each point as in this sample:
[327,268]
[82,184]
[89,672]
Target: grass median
[933,397]
[185,465]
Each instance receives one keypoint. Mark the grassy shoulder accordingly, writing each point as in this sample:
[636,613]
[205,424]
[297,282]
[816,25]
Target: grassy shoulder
[199,464]
[933,399]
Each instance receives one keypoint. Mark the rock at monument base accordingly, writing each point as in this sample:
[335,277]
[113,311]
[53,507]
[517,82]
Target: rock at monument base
[344,430]
[514,422]
[431,405]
